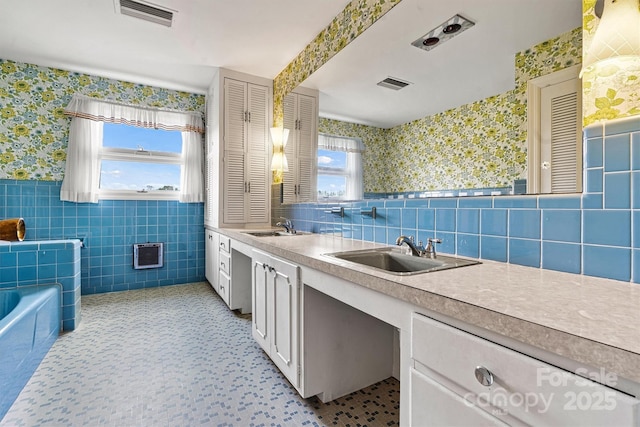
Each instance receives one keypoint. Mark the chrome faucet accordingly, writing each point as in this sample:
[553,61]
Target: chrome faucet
[415,250]
[287,224]
[431,247]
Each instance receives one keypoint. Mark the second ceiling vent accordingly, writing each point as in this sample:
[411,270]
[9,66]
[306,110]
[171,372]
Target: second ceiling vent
[145,11]
[393,83]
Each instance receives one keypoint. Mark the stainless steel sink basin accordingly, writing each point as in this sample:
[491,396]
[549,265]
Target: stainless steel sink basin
[272,233]
[392,261]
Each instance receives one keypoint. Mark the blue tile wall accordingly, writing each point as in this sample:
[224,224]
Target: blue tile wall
[565,257]
[108,230]
[616,153]
[596,233]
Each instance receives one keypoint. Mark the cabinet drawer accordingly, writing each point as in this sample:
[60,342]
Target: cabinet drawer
[524,389]
[225,244]
[223,286]
[225,262]
[426,394]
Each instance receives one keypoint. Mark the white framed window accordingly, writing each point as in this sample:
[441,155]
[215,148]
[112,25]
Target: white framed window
[339,174]
[124,151]
[140,163]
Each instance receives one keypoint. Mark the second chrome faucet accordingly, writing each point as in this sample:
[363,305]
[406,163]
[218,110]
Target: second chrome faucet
[419,249]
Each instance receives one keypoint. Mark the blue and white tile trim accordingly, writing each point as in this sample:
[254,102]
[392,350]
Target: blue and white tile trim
[108,230]
[596,233]
[32,263]
[487,191]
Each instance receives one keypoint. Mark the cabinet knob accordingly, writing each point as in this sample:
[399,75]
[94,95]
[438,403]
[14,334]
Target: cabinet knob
[484,376]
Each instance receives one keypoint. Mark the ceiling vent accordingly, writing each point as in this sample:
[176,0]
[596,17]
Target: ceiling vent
[393,83]
[145,11]
[445,31]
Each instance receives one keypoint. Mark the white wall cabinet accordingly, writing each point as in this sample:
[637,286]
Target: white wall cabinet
[301,118]
[460,379]
[276,312]
[238,150]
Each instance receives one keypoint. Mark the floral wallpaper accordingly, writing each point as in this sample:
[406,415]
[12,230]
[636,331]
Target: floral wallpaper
[33,129]
[612,90]
[482,144]
[356,17]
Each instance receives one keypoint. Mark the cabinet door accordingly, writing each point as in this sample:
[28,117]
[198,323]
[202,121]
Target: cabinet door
[211,255]
[435,405]
[235,114]
[307,148]
[235,187]
[306,179]
[290,179]
[257,165]
[258,188]
[284,342]
[260,303]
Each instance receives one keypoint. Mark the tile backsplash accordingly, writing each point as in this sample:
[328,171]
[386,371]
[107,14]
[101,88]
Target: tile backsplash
[596,233]
[108,230]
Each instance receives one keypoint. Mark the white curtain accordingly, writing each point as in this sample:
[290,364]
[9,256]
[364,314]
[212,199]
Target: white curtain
[340,143]
[354,149]
[354,189]
[192,174]
[82,170]
[134,115]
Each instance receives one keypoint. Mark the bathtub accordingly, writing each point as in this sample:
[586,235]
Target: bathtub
[29,324]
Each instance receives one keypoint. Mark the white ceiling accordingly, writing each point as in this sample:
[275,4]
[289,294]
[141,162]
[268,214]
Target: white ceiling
[261,37]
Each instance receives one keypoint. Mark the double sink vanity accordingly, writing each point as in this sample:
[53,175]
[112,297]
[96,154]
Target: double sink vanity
[486,344]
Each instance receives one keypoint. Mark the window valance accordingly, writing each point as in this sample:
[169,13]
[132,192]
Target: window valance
[340,143]
[134,115]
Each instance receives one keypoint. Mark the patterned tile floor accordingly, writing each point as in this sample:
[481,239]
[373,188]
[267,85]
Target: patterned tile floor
[176,356]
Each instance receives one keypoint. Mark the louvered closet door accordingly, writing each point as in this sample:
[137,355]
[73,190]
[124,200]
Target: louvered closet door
[307,149]
[561,138]
[235,109]
[258,154]
[234,187]
[306,179]
[290,183]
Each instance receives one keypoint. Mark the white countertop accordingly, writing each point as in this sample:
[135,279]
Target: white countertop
[590,320]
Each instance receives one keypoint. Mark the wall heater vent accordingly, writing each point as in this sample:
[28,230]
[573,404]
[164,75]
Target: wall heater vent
[145,11]
[147,255]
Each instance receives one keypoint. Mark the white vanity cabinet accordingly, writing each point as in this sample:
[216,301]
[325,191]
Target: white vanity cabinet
[230,276]
[459,379]
[276,311]
[238,150]
[301,118]
[211,257]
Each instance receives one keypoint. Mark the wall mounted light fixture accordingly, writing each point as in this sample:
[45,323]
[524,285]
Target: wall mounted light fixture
[279,137]
[617,35]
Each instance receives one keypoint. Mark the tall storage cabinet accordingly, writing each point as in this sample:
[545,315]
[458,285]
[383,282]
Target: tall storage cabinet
[238,150]
[301,118]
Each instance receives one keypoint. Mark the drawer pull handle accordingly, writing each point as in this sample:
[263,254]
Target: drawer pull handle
[484,376]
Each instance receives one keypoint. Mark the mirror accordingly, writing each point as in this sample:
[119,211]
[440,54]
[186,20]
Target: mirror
[461,122]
